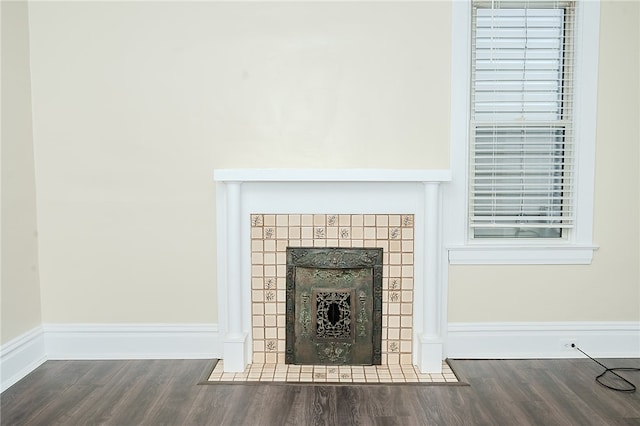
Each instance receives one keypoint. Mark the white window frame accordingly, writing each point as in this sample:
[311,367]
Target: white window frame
[577,247]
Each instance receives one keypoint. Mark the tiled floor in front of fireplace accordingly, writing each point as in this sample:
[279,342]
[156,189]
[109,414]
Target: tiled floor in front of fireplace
[332,374]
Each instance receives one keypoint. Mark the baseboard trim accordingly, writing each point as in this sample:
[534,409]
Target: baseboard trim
[25,353]
[542,340]
[131,341]
[20,356]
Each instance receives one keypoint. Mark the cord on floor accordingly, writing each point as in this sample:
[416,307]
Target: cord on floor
[629,388]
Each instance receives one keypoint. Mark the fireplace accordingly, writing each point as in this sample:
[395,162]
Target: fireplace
[248,274]
[334,306]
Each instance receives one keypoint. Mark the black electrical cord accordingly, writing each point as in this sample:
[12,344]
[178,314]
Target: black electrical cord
[631,387]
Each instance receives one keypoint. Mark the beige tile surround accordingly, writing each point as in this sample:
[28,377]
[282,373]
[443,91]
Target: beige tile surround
[271,234]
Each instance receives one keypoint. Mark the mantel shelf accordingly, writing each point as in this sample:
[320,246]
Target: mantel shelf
[331,175]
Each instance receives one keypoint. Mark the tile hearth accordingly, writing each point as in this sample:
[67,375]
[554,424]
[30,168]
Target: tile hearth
[291,373]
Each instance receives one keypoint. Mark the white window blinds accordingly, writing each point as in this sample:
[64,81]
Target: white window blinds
[522,145]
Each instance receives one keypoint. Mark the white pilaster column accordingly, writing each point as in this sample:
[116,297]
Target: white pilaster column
[430,341]
[235,337]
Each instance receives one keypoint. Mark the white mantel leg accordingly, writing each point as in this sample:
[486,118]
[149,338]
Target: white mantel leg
[430,342]
[235,338]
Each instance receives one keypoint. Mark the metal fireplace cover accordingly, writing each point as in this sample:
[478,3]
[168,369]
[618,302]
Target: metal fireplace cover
[334,306]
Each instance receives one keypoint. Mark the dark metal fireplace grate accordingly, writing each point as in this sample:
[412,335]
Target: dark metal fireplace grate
[334,306]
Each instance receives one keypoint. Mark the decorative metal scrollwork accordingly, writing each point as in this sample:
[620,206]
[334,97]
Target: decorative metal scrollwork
[334,257]
[337,275]
[305,314]
[333,352]
[362,319]
[333,319]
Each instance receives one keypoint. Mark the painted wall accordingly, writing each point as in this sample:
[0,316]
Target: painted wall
[20,287]
[136,103]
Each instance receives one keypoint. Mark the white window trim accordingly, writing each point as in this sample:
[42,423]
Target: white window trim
[579,247]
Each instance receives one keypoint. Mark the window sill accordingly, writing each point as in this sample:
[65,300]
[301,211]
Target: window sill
[489,254]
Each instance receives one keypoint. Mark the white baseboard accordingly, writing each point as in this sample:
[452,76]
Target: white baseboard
[131,341]
[21,356]
[24,354]
[543,340]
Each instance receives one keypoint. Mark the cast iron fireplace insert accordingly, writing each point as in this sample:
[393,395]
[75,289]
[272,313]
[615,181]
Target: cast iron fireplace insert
[334,306]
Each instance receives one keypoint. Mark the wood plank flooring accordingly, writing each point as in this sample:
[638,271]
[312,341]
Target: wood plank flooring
[166,392]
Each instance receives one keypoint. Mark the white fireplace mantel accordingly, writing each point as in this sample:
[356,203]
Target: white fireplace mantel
[241,192]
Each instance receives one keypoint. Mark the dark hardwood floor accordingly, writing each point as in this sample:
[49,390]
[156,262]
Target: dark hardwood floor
[166,392]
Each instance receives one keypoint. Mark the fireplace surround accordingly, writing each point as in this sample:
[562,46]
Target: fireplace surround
[272,235]
[243,192]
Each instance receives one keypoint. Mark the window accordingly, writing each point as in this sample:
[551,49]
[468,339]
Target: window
[522,173]
[524,92]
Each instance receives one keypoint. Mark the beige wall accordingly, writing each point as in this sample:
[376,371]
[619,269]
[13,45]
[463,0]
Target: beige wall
[20,287]
[136,103]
